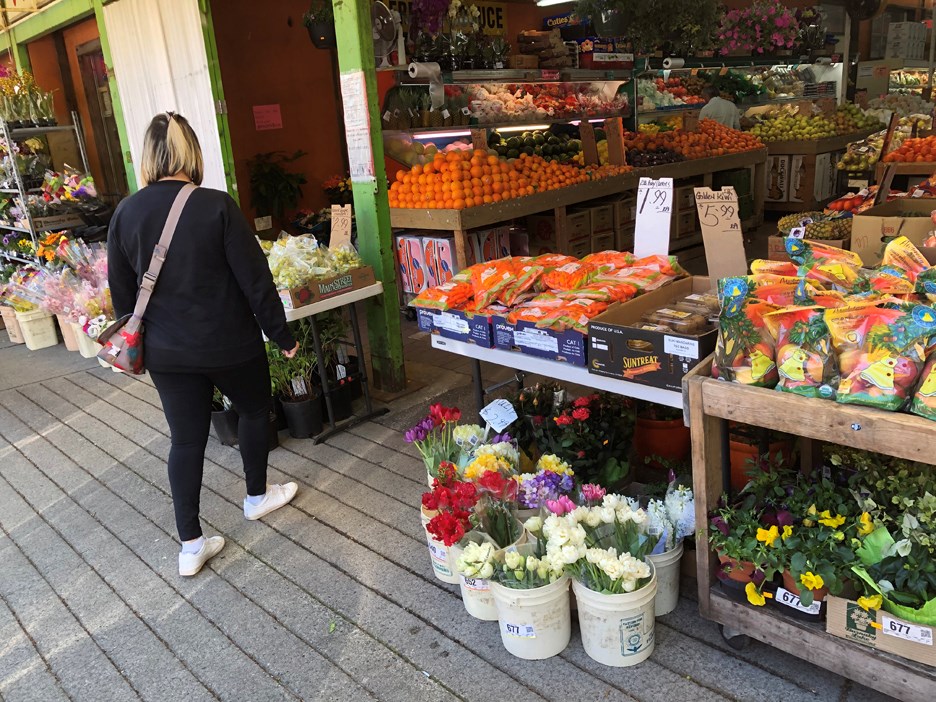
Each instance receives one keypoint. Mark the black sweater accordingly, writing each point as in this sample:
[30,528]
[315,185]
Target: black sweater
[214,288]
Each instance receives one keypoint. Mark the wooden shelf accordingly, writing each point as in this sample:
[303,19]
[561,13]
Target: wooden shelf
[906,168]
[487,215]
[711,405]
[816,146]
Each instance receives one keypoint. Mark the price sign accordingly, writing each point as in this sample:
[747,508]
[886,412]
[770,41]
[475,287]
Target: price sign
[907,631]
[500,414]
[654,212]
[589,145]
[721,232]
[340,226]
[614,133]
[479,139]
[793,601]
[520,631]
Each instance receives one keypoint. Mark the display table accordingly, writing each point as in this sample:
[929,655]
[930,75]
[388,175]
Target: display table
[711,405]
[339,301]
[555,370]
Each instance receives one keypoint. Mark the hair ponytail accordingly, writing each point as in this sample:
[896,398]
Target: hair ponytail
[171,147]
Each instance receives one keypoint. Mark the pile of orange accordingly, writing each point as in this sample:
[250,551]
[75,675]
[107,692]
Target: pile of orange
[711,139]
[914,151]
[460,179]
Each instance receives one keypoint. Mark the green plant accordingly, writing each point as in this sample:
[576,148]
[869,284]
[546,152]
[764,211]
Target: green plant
[219,402]
[645,22]
[694,24]
[292,378]
[319,12]
[273,189]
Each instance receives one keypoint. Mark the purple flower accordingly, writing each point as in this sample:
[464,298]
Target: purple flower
[721,525]
[505,437]
[419,432]
[544,487]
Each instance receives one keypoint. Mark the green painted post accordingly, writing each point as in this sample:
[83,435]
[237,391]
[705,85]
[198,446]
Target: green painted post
[20,53]
[371,207]
[116,104]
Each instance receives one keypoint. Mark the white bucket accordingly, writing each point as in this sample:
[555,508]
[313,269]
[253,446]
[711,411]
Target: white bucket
[87,346]
[617,630]
[68,332]
[38,329]
[440,555]
[476,592]
[12,326]
[534,624]
[667,570]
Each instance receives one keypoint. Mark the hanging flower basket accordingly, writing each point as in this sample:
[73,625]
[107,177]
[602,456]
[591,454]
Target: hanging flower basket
[322,35]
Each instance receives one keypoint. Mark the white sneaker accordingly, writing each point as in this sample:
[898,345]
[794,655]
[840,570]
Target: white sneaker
[276,496]
[191,563]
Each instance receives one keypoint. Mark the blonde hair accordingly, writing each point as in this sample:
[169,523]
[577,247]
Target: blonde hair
[170,147]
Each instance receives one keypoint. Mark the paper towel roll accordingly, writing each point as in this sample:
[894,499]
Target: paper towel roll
[669,63]
[433,73]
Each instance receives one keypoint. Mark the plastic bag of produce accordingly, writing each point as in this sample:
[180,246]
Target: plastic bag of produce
[806,364]
[924,399]
[297,260]
[881,350]
[345,257]
[528,275]
[573,315]
[455,294]
[824,264]
[610,261]
[568,276]
[490,279]
[744,351]
[762,266]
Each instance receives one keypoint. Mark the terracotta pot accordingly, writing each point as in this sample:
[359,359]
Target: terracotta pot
[668,439]
[791,585]
[739,571]
[742,451]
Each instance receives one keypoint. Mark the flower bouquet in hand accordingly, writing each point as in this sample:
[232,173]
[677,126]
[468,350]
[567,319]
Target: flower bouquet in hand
[451,502]
[434,437]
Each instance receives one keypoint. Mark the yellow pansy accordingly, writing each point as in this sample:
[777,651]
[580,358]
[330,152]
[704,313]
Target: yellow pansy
[755,596]
[812,581]
[873,602]
[811,512]
[826,518]
[865,525]
[768,536]
[787,533]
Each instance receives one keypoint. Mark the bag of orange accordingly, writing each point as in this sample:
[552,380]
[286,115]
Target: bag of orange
[568,276]
[806,364]
[881,350]
[456,294]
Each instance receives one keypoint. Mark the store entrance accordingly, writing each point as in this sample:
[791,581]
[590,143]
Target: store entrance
[94,82]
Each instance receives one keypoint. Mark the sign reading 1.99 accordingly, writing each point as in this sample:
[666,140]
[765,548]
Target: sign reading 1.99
[493,18]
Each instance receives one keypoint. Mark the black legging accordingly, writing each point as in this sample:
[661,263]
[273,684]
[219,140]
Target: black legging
[186,401]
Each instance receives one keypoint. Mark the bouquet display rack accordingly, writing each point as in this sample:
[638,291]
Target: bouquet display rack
[711,404]
[37,225]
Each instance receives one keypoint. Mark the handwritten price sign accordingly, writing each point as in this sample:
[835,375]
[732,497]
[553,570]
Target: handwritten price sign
[721,232]
[654,212]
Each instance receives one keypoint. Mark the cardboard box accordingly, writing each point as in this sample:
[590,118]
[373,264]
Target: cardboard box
[624,238]
[492,243]
[601,218]
[776,247]
[881,630]
[684,224]
[523,61]
[603,242]
[625,210]
[544,234]
[439,255]
[684,198]
[778,179]
[579,248]
[457,325]
[891,219]
[327,288]
[567,346]
[411,262]
[644,356]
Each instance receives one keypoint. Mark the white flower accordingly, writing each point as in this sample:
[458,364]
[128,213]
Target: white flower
[579,514]
[532,563]
[593,518]
[513,560]
[613,501]
[533,525]
[570,553]
[475,558]
[607,515]
[467,436]
[487,570]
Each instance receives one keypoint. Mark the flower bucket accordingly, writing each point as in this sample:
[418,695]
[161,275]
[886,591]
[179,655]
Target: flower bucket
[303,418]
[735,570]
[87,346]
[524,514]
[792,586]
[617,630]
[38,329]
[667,569]
[12,326]
[534,624]
[668,439]
[225,423]
[68,333]
[440,555]
[476,592]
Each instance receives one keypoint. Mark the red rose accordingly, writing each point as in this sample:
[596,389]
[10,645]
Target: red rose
[537,420]
[563,420]
[582,402]
[581,414]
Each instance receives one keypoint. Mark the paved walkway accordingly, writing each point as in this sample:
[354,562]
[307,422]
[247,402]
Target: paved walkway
[331,598]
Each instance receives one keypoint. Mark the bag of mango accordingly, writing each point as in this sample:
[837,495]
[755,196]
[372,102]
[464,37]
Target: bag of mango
[806,364]
[744,350]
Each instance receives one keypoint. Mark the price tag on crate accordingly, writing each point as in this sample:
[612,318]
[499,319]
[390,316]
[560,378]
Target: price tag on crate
[907,631]
[721,232]
[785,597]
[654,212]
[500,414]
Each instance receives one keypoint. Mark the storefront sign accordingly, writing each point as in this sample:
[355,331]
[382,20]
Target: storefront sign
[267,117]
[493,18]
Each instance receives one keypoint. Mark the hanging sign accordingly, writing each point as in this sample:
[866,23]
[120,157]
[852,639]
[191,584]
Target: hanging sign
[654,212]
[500,414]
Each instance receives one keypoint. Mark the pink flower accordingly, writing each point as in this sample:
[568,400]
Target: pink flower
[561,506]
[593,493]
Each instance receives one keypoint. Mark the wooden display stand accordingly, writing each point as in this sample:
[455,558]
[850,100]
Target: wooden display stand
[906,169]
[711,404]
[460,221]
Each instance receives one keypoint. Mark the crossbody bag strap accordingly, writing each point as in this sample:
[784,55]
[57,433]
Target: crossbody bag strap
[159,253]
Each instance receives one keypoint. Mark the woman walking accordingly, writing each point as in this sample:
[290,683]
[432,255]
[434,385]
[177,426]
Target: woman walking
[202,326]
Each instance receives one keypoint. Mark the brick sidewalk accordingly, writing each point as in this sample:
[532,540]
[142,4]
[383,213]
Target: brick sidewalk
[330,598]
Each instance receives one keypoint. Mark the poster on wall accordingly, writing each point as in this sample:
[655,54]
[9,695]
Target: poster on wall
[267,117]
[357,126]
[492,20]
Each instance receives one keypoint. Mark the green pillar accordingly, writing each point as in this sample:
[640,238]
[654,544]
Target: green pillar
[371,207]
[20,53]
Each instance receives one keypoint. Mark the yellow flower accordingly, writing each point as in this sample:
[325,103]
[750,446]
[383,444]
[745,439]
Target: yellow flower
[768,536]
[554,464]
[481,464]
[873,602]
[754,596]
[866,526]
[787,533]
[812,512]
[828,520]
[811,581]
